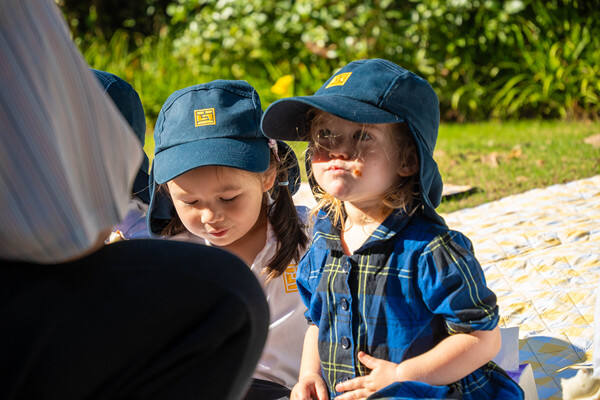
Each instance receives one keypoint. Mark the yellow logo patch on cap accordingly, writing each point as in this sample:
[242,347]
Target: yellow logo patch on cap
[289,278]
[339,80]
[205,116]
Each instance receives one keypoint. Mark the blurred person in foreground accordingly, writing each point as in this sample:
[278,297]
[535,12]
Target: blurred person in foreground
[81,319]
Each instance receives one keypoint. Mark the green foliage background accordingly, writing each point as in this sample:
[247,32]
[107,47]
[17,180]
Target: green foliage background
[485,58]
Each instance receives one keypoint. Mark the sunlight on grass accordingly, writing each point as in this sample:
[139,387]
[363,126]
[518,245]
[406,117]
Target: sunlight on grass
[502,158]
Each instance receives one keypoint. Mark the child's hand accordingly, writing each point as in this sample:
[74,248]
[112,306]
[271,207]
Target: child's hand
[383,373]
[310,387]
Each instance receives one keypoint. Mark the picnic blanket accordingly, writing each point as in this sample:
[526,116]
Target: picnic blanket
[540,251]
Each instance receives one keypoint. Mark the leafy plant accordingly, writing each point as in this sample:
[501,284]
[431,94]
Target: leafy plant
[485,58]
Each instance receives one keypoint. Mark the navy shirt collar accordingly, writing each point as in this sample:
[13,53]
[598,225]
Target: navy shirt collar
[390,227]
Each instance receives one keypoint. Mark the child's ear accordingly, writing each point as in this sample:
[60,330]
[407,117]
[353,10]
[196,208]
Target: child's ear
[409,167]
[268,178]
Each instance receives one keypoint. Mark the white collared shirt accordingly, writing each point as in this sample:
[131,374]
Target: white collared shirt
[280,360]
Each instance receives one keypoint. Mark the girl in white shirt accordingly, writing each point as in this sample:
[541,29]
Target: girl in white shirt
[229,187]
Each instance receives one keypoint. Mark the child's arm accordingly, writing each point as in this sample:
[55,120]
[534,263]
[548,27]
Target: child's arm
[450,360]
[310,383]
[453,358]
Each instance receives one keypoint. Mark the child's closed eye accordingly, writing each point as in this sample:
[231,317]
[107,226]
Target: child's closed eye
[189,203]
[229,199]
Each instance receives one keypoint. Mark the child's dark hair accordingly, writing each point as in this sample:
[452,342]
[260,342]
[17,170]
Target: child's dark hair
[404,196]
[282,215]
[287,226]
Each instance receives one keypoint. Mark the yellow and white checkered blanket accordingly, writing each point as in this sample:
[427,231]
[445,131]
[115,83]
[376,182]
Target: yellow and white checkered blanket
[540,251]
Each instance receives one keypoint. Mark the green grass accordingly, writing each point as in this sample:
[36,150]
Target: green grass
[497,158]
[528,155]
[503,158]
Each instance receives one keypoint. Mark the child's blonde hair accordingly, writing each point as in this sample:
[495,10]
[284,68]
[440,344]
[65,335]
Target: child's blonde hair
[403,196]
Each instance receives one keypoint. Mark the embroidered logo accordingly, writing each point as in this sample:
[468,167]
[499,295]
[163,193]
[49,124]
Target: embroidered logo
[289,278]
[339,80]
[205,116]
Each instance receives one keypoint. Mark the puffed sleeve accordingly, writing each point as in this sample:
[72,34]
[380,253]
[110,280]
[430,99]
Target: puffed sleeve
[453,285]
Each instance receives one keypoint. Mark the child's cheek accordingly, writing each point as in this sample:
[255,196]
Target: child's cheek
[319,156]
[318,167]
[192,220]
[319,174]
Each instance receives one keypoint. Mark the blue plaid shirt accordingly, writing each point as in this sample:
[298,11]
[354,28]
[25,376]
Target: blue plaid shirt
[410,285]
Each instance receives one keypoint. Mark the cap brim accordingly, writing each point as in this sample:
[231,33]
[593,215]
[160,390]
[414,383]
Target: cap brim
[285,119]
[247,154]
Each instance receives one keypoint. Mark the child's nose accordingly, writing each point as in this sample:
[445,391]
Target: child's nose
[342,149]
[209,215]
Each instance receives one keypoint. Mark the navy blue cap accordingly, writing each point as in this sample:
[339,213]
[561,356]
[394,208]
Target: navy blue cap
[215,123]
[371,91]
[129,104]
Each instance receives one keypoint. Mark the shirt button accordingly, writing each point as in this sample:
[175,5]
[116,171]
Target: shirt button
[345,343]
[345,305]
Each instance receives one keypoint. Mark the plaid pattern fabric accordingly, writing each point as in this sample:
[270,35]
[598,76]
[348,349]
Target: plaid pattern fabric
[410,285]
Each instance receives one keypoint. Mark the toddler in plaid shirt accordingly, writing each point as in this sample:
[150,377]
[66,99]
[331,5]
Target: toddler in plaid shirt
[397,302]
